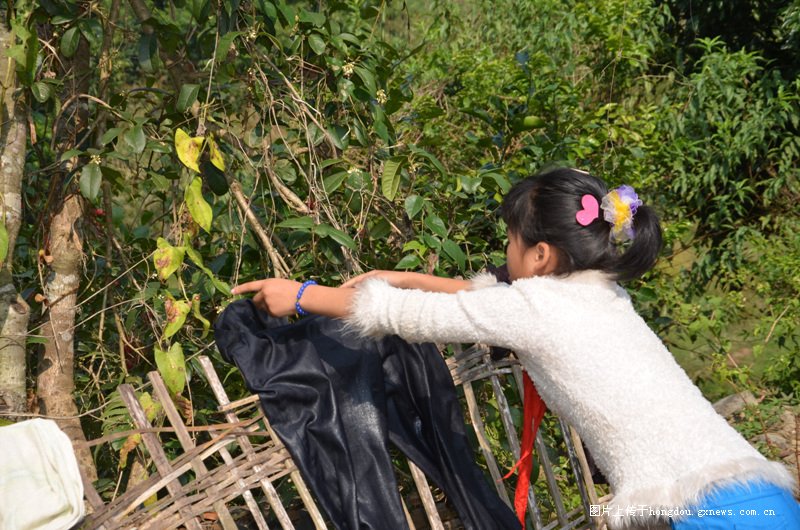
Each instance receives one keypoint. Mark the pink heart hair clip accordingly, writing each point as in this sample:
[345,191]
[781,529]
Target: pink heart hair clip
[590,212]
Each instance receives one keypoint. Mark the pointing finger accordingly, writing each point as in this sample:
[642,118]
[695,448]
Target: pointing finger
[248,287]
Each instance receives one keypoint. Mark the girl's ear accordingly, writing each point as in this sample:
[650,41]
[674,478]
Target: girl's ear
[541,259]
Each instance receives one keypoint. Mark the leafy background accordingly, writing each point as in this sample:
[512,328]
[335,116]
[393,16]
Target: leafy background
[368,135]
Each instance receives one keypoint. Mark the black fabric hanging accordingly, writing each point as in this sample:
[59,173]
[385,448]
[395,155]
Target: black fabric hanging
[335,399]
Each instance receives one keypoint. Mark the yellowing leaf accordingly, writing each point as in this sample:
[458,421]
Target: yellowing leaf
[172,367]
[151,407]
[167,258]
[199,316]
[198,207]
[215,154]
[188,149]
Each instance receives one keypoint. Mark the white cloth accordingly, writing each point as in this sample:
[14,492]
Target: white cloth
[597,364]
[40,483]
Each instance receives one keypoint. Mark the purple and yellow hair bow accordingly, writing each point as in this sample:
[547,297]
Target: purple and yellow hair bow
[619,206]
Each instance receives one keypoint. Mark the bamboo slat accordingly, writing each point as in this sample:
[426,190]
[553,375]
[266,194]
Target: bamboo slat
[428,502]
[160,390]
[153,446]
[269,489]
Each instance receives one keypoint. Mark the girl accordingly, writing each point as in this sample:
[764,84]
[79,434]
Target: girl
[667,454]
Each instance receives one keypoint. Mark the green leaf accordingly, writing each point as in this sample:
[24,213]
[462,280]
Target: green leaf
[193,255]
[197,259]
[380,124]
[286,13]
[285,170]
[330,162]
[455,253]
[199,9]
[470,184]
[109,135]
[148,48]
[337,235]
[69,42]
[501,180]
[297,223]
[172,367]
[368,78]
[436,225]
[41,91]
[340,136]
[316,43]
[390,179]
[333,182]
[410,261]
[92,30]
[176,315]
[136,139]
[167,258]
[26,54]
[432,159]
[225,43]
[70,154]
[3,242]
[91,177]
[187,97]
[198,207]
[414,204]
[312,17]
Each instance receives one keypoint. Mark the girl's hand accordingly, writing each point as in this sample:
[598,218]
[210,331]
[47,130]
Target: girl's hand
[276,296]
[395,278]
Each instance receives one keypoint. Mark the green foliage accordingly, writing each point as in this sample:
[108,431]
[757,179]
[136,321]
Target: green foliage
[384,136]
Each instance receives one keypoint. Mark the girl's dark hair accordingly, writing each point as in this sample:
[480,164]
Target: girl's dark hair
[543,207]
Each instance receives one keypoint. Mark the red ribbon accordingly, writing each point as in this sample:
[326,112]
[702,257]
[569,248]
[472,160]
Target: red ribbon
[532,412]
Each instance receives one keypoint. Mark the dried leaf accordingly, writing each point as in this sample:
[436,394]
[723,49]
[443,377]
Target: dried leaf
[184,406]
[130,444]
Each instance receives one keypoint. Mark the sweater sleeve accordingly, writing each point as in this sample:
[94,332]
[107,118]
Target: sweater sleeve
[484,315]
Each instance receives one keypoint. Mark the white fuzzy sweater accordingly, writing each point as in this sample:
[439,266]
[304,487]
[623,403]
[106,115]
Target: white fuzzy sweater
[597,364]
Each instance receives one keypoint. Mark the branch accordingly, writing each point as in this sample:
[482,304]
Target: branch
[278,264]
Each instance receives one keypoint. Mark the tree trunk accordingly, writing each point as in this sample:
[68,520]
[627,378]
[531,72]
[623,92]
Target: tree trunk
[14,311]
[55,383]
[55,380]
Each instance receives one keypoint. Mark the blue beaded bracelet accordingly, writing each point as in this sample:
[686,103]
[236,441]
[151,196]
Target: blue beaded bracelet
[300,310]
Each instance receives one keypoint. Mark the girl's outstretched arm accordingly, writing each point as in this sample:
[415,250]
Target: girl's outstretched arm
[377,308]
[277,296]
[412,280]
